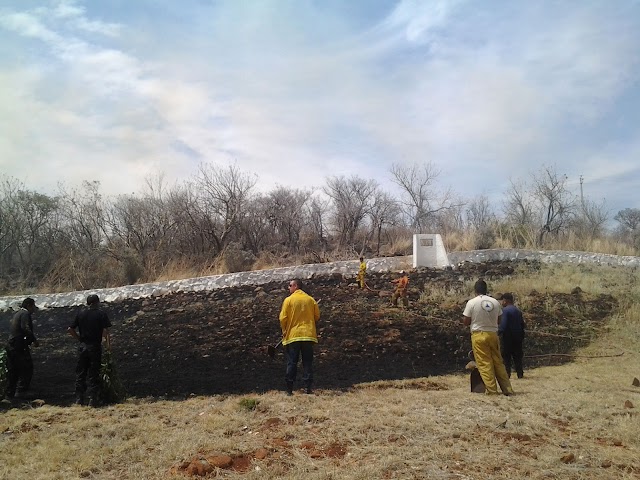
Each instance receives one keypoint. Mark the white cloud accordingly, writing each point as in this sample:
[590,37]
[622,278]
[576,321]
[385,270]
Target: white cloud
[75,16]
[28,25]
[298,88]
[417,19]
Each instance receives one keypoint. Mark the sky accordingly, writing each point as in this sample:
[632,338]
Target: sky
[296,91]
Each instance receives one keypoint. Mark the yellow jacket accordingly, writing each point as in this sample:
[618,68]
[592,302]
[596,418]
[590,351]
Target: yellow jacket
[362,270]
[298,318]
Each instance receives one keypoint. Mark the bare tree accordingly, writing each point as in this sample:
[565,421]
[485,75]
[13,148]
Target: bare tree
[285,210]
[479,213]
[420,200]
[258,233]
[481,221]
[629,219]
[629,226]
[191,241]
[453,219]
[28,231]
[223,194]
[519,205]
[143,229]
[351,198]
[384,211]
[592,217]
[83,216]
[558,204]
[317,235]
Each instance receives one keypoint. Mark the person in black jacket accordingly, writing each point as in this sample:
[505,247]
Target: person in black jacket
[21,336]
[93,325]
[511,331]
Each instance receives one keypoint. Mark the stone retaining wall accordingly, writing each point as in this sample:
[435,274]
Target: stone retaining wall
[545,256]
[283,274]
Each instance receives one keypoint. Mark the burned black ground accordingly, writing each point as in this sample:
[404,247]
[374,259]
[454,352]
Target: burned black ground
[215,342]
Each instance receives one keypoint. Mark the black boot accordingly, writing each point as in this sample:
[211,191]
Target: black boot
[289,388]
[79,400]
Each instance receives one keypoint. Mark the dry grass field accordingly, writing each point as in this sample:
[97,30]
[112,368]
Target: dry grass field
[576,420]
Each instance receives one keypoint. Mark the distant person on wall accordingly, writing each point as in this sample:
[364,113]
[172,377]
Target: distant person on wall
[89,327]
[21,337]
[362,272]
[298,318]
[400,292]
[483,314]
[511,332]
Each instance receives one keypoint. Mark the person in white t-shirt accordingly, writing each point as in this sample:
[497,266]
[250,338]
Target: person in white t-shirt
[482,314]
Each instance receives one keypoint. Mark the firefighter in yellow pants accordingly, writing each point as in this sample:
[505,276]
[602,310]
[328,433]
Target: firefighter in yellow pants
[482,314]
[362,272]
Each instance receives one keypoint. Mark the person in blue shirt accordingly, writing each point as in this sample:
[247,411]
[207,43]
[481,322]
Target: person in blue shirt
[511,332]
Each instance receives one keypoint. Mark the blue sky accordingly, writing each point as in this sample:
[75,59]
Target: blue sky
[295,91]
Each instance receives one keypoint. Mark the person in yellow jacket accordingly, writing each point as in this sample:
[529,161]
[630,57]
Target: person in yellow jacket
[362,272]
[298,318]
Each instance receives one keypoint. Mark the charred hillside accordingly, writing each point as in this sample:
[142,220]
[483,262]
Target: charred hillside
[215,342]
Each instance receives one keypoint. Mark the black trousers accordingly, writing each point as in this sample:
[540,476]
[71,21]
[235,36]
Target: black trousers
[20,369]
[293,351]
[511,349]
[88,370]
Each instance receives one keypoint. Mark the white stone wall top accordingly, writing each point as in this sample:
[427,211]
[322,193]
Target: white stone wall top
[255,277]
[348,268]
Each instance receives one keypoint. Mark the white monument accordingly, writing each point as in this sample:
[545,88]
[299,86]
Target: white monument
[429,251]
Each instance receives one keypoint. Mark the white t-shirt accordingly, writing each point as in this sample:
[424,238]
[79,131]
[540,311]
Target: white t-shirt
[484,312]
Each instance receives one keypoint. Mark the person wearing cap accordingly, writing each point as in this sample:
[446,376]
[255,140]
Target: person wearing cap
[19,361]
[298,317]
[401,290]
[483,314]
[362,272]
[511,332]
[89,327]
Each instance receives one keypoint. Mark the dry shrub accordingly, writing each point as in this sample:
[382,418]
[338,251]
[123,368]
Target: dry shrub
[266,260]
[397,246]
[81,273]
[235,259]
[443,295]
[335,255]
[132,268]
[596,245]
[215,267]
[458,242]
[484,238]
[516,236]
[179,269]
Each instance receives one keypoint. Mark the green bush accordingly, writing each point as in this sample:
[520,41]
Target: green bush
[113,390]
[249,404]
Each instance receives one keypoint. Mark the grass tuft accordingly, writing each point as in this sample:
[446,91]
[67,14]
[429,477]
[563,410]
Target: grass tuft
[249,404]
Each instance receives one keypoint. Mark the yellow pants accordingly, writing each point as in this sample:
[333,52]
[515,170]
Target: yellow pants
[361,280]
[486,352]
